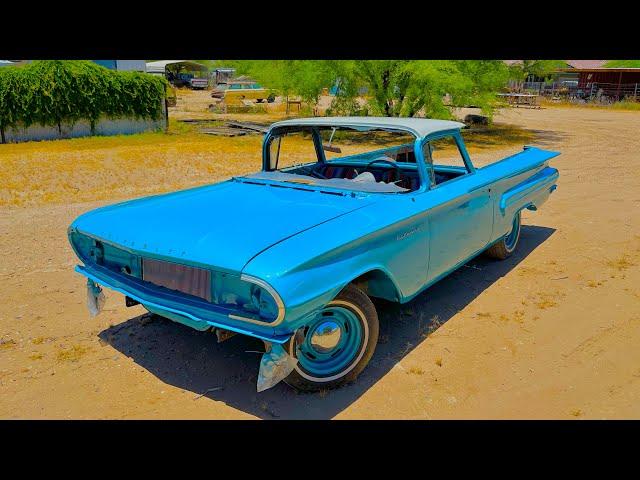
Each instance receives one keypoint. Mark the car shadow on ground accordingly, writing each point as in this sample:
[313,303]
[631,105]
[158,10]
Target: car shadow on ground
[547,138]
[506,135]
[227,372]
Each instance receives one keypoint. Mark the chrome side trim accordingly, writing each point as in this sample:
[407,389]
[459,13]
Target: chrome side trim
[272,292]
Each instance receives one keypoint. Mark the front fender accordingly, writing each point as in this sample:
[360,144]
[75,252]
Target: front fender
[309,291]
[310,269]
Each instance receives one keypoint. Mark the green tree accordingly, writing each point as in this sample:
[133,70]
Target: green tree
[11,99]
[622,64]
[305,78]
[394,87]
[539,68]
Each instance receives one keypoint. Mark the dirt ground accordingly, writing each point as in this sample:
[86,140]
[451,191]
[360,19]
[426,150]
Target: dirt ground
[552,332]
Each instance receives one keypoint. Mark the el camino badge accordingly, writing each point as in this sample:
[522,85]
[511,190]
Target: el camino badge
[403,235]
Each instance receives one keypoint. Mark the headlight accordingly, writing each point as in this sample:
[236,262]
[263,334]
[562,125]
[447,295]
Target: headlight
[263,304]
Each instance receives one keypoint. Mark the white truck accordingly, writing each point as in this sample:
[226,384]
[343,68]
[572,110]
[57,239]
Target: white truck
[198,83]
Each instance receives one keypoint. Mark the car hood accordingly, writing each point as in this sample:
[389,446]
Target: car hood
[222,226]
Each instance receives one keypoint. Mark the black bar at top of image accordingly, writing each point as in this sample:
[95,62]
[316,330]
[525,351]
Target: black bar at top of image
[460,31]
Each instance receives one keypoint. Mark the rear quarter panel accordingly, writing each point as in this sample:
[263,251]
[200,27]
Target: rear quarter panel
[522,180]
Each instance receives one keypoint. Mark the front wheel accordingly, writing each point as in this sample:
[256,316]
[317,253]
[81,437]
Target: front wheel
[507,244]
[337,345]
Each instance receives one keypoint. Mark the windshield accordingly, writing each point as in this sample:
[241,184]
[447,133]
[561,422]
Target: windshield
[363,159]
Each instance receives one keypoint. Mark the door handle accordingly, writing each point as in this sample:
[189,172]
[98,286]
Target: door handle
[480,187]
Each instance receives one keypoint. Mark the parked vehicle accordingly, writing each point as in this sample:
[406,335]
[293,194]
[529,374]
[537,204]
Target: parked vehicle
[242,88]
[293,254]
[198,83]
[222,76]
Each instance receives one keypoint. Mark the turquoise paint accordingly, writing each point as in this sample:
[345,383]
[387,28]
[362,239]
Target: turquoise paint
[512,237]
[331,361]
[177,309]
[307,244]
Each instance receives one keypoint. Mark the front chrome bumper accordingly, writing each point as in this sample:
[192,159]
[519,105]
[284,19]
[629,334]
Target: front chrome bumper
[164,305]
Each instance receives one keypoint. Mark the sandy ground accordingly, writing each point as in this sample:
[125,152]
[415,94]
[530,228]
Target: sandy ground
[552,332]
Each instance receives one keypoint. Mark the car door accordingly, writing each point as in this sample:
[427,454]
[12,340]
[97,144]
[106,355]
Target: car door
[460,210]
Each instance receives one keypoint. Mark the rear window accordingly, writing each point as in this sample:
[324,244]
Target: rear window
[394,146]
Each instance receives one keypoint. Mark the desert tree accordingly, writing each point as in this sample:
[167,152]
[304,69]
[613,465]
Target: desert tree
[387,87]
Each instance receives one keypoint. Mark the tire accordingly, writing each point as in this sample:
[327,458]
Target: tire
[345,354]
[505,247]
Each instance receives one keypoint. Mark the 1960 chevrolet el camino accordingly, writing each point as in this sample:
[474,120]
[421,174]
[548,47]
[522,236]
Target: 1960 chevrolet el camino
[292,254]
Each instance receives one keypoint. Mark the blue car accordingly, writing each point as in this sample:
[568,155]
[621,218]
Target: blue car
[343,210]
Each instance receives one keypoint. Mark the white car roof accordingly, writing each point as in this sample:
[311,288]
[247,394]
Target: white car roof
[420,127]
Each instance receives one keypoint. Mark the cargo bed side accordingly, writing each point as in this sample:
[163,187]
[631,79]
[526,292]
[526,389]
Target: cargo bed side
[522,180]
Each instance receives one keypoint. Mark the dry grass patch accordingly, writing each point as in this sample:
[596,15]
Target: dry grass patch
[545,303]
[623,105]
[524,271]
[7,343]
[126,166]
[496,135]
[97,168]
[431,327]
[546,300]
[622,263]
[72,354]
[517,316]
[415,371]
[323,392]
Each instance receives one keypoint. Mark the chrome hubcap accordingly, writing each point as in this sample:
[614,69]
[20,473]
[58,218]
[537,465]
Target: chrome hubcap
[332,344]
[326,337]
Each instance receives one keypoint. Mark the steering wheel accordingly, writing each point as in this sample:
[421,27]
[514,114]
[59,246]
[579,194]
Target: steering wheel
[313,172]
[394,165]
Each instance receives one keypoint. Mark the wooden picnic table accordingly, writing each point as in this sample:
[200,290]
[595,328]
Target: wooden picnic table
[293,102]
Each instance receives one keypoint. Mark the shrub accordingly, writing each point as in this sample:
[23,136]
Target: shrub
[52,92]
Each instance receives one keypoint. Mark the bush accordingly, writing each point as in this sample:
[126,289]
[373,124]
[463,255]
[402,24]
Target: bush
[52,92]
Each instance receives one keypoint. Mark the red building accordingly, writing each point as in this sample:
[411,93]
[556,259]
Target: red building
[595,79]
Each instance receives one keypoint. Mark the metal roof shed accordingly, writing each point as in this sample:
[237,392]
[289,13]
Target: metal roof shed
[160,67]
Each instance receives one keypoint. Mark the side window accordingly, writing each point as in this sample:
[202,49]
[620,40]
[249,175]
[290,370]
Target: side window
[293,148]
[444,160]
[426,153]
[445,152]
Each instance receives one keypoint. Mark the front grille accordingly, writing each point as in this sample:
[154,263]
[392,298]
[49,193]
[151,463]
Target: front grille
[182,278]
